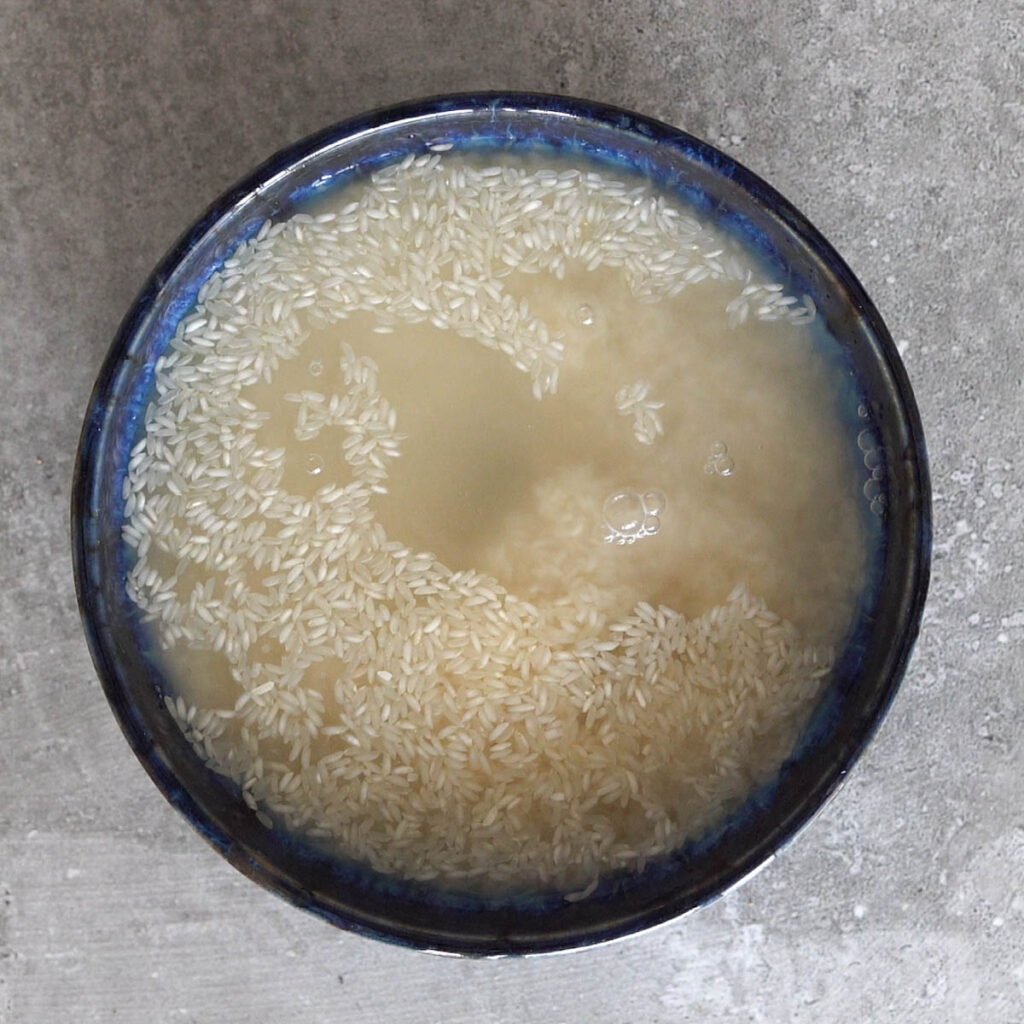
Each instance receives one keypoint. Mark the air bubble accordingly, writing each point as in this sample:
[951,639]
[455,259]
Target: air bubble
[652,524]
[624,513]
[872,489]
[878,505]
[316,367]
[866,440]
[873,458]
[654,503]
[719,448]
[862,411]
[314,465]
[585,315]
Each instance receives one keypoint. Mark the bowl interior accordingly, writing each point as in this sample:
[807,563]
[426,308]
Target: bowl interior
[867,672]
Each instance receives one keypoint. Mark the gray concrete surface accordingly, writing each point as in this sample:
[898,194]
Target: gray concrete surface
[897,126]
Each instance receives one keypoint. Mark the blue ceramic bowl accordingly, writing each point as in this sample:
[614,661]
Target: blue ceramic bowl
[868,671]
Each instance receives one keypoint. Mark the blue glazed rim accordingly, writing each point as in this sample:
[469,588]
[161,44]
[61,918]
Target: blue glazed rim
[458,925]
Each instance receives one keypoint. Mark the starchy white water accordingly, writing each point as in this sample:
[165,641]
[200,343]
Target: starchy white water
[498,523]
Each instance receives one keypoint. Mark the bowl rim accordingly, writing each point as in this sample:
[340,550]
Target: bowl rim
[621,120]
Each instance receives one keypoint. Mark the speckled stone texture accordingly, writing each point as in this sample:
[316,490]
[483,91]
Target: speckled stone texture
[898,127]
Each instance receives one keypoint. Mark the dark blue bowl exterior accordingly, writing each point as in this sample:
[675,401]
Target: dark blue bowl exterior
[868,672]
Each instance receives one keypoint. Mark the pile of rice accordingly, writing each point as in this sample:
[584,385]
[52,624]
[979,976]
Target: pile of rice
[425,721]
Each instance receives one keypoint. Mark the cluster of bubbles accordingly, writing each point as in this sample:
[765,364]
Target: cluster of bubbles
[874,463]
[629,516]
[719,461]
